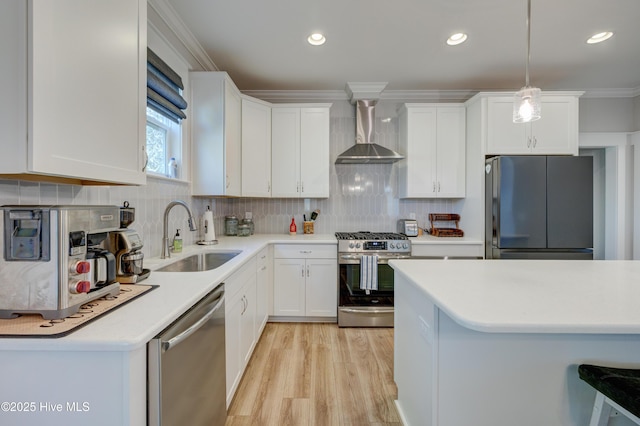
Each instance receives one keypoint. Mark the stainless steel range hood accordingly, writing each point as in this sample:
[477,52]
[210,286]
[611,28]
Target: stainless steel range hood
[365,151]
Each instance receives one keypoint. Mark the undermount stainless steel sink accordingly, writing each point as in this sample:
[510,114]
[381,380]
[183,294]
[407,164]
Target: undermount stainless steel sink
[205,261]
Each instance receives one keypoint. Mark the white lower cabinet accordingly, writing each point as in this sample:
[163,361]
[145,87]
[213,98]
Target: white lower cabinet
[305,280]
[240,317]
[263,289]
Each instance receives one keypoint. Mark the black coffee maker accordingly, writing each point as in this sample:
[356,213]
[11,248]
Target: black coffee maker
[126,245]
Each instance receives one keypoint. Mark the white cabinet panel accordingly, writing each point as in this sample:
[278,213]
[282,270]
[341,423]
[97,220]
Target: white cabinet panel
[289,287]
[555,133]
[215,132]
[321,292]
[300,151]
[303,284]
[432,137]
[240,329]
[78,93]
[285,152]
[256,148]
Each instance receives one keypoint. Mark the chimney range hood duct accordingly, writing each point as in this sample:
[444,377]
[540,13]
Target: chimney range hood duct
[365,151]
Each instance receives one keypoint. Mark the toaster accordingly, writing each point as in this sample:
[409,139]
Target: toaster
[408,227]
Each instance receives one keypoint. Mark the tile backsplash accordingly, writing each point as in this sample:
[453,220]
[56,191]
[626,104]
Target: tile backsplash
[363,196]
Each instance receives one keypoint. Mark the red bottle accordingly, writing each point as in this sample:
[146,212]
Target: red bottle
[293,228]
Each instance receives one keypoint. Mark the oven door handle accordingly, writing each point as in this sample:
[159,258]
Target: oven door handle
[367,311]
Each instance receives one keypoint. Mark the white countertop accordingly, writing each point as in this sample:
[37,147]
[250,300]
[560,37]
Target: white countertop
[430,239]
[532,296]
[134,324]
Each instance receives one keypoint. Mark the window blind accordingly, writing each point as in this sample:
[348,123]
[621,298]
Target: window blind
[163,89]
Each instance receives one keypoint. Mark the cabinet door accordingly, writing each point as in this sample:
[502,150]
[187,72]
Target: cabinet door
[256,149]
[234,308]
[285,152]
[289,287]
[262,297]
[247,322]
[314,152]
[87,93]
[321,287]
[503,135]
[418,142]
[232,141]
[451,152]
[557,130]
[215,132]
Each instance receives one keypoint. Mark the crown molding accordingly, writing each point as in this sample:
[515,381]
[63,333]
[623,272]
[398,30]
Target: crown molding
[612,93]
[278,96]
[167,13]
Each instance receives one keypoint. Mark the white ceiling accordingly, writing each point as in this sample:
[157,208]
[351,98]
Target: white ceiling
[262,43]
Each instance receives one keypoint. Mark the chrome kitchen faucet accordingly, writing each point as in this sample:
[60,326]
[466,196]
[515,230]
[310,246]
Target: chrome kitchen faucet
[165,226]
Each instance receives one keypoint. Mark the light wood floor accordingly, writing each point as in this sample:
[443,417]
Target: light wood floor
[318,374]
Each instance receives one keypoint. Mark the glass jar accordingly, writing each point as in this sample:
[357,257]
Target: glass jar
[230,225]
[250,223]
[244,230]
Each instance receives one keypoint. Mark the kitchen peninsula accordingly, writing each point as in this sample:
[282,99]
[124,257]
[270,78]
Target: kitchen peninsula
[494,343]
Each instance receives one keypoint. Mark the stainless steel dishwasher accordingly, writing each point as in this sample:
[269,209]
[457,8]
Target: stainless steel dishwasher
[186,367]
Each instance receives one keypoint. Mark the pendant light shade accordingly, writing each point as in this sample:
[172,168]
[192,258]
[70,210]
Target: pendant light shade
[526,105]
[527,101]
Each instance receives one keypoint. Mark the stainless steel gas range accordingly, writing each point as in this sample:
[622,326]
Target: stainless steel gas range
[365,295]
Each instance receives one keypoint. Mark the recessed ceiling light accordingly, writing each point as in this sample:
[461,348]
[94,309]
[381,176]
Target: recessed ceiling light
[600,37]
[316,39]
[456,39]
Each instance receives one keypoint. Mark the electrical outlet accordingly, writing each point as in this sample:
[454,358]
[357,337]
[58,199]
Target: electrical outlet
[412,215]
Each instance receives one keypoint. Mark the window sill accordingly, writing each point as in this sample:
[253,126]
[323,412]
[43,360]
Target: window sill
[157,176]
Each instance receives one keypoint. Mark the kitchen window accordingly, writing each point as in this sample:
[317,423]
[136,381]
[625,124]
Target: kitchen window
[164,141]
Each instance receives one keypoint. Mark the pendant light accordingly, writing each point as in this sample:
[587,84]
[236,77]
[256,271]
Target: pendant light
[526,103]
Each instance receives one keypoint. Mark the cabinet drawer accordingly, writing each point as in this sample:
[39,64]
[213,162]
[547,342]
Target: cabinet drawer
[301,251]
[262,257]
[234,283]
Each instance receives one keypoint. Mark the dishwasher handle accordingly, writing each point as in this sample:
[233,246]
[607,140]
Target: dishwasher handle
[174,341]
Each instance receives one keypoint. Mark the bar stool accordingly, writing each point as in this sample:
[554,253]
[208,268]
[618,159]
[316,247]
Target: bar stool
[617,388]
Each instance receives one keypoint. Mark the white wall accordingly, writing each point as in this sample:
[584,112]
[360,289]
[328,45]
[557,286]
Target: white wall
[607,115]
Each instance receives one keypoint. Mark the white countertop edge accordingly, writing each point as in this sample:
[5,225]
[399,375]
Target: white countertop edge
[533,326]
[91,337]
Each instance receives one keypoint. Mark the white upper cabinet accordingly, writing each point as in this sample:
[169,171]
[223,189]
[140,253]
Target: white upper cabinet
[216,108]
[432,139]
[300,151]
[73,106]
[555,133]
[256,148]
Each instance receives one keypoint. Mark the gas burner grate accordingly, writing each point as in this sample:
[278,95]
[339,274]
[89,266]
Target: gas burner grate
[365,235]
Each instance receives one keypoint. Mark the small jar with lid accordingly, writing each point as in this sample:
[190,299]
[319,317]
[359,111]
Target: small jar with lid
[230,225]
[244,230]
[249,222]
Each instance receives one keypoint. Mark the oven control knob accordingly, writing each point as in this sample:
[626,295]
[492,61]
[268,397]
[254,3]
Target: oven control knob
[405,246]
[80,287]
[392,245]
[81,267]
[357,245]
[351,245]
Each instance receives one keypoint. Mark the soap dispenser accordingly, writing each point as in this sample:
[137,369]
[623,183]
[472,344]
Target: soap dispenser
[177,242]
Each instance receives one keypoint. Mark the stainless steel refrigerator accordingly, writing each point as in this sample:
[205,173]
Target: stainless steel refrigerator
[539,207]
